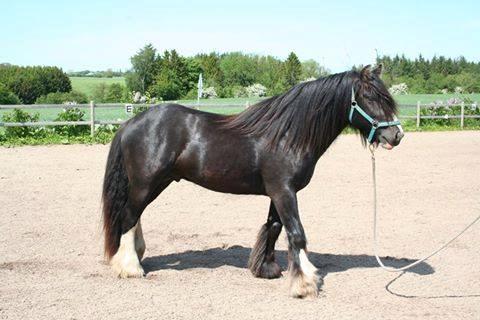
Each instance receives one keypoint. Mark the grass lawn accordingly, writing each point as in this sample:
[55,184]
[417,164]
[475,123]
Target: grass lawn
[87,84]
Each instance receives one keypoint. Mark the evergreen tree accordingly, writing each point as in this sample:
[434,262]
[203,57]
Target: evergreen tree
[144,64]
[293,70]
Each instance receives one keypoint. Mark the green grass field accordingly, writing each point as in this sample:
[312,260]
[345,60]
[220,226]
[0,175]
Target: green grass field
[87,84]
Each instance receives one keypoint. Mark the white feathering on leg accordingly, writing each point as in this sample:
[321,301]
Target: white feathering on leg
[125,262]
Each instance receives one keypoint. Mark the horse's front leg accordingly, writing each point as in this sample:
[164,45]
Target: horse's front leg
[304,278]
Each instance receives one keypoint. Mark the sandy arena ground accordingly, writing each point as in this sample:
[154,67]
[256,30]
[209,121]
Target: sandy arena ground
[198,241]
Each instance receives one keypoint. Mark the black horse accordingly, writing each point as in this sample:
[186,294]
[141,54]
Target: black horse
[269,149]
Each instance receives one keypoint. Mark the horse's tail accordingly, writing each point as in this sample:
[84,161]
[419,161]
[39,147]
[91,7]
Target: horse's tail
[114,197]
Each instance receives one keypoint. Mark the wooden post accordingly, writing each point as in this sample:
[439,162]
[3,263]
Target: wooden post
[92,118]
[462,114]
[247,105]
[418,115]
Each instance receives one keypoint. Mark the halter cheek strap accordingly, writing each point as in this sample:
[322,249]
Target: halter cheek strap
[373,122]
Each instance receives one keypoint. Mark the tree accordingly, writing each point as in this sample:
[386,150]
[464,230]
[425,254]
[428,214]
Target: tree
[7,97]
[29,83]
[293,70]
[175,77]
[115,93]
[312,69]
[238,69]
[210,67]
[144,64]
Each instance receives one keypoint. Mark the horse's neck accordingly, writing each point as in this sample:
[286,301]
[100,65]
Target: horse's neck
[332,126]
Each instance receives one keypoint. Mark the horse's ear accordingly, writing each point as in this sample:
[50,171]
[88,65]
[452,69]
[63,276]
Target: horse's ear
[366,73]
[378,70]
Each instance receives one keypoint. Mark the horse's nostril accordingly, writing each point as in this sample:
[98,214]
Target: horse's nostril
[399,136]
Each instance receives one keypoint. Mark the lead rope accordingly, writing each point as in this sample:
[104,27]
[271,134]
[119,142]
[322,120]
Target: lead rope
[391,269]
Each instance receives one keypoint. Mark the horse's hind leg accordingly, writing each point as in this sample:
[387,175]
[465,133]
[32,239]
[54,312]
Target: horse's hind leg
[139,241]
[262,258]
[126,262]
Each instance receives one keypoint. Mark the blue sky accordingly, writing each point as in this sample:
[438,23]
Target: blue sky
[96,35]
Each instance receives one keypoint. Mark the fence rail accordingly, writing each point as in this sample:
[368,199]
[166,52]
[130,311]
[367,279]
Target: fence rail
[93,106]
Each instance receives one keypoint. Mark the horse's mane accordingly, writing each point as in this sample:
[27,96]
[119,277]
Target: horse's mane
[311,113]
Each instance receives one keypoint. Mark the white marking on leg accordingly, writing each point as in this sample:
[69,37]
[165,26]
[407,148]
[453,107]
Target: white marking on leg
[307,267]
[304,283]
[125,262]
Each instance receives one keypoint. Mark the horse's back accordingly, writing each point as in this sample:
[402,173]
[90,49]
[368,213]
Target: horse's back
[193,145]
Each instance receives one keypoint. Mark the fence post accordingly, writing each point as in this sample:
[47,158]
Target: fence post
[92,118]
[418,115]
[247,105]
[462,114]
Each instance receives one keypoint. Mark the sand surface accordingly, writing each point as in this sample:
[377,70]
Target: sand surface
[198,241]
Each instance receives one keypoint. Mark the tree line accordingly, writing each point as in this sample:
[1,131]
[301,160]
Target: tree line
[436,75]
[170,76]
[27,84]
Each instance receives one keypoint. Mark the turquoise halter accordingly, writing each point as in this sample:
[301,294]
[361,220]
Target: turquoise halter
[373,122]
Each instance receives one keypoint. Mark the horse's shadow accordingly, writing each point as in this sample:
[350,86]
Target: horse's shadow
[237,256]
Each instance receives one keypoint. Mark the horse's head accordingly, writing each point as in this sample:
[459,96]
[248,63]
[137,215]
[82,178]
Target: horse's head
[373,110]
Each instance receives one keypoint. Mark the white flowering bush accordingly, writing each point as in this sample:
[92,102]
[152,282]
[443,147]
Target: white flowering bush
[256,90]
[209,93]
[398,89]
[444,91]
[458,90]
[309,79]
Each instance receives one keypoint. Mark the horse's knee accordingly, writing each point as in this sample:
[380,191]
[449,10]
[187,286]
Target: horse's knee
[298,240]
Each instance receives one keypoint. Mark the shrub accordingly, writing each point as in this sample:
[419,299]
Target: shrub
[239,92]
[458,90]
[63,98]
[7,97]
[450,108]
[209,93]
[18,115]
[71,114]
[400,88]
[100,92]
[115,93]
[256,90]
[29,83]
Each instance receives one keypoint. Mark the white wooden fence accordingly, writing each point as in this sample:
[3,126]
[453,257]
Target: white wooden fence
[93,121]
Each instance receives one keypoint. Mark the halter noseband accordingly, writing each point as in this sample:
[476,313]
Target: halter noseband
[373,122]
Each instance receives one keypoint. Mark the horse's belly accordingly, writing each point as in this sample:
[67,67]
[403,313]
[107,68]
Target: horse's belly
[229,180]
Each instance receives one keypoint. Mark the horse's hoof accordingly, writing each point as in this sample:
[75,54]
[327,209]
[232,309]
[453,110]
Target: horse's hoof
[132,269]
[270,270]
[303,286]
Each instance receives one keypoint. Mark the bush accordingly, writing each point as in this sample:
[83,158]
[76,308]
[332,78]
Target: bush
[449,108]
[400,88]
[115,93]
[29,83]
[256,90]
[7,97]
[71,114]
[100,92]
[18,115]
[209,93]
[63,98]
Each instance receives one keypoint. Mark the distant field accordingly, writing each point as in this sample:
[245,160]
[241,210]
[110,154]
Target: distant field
[87,84]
